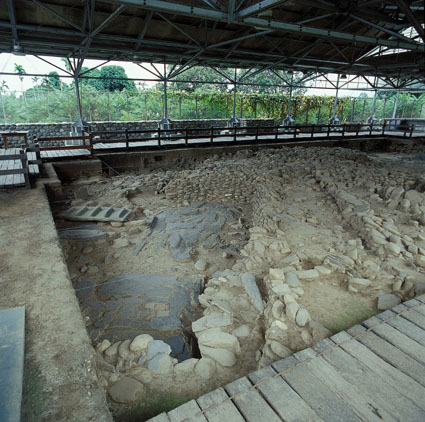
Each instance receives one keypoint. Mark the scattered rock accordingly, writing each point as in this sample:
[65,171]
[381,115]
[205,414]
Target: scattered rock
[201,265]
[303,317]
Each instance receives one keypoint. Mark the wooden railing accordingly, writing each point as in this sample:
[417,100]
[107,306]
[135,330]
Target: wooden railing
[62,139]
[248,133]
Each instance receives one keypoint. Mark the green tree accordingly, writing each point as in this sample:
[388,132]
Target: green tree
[114,84]
[3,88]
[51,81]
[21,71]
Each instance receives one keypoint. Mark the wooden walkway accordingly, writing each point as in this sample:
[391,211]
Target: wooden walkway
[104,147]
[371,372]
[12,170]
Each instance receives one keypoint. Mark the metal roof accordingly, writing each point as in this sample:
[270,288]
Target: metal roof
[362,37]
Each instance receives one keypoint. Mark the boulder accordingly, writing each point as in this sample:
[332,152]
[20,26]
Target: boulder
[223,356]
[216,338]
[279,349]
[291,310]
[126,390]
[303,317]
[160,364]
[205,368]
[248,281]
[186,367]
[388,301]
[140,342]
[211,321]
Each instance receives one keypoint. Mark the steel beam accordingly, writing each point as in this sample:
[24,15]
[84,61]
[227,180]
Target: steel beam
[259,7]
[12,18]
[405,8]
[58,15]
[142,33]
[328,33]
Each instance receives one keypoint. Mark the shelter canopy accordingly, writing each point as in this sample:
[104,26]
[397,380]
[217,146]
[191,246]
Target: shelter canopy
[364,37]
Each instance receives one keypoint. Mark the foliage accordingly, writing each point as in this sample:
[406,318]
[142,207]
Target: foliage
[46,103]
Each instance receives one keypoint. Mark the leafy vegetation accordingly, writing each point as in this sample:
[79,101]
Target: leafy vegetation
[109,99]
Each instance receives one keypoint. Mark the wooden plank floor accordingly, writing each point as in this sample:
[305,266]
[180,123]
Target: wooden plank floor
[10,180]
[372,372]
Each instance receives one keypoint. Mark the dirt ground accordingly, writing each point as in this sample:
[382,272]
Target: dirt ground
[60,383]
[59,355]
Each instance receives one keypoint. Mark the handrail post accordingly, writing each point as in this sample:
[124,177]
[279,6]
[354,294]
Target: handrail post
[370,129]
[276,135]
[383,127]
[126,140]
[186,139]
[5,141]
[159,136]
[256,133]
[329,129]
[357,130]
[343,130]
[312,130]
[91,144]
[25,168]
[212,134]
[234,133]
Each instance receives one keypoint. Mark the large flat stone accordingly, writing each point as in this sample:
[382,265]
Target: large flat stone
[248,281]
[12,340]
[139,285]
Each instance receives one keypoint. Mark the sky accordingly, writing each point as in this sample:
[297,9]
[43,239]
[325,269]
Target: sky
[34,65]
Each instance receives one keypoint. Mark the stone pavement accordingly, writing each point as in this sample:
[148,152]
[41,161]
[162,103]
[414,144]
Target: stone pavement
[132,304]
[184,228]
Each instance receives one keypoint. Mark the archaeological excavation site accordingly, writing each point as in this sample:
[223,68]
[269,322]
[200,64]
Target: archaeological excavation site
[227,224]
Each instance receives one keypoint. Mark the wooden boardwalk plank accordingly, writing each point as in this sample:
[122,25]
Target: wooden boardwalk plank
[282,398]
[404,326]
[252,406]
[377,388]
[420,309]
[411,315]
[315,393]
[187,412]
[404,384]
[390,353]
[344,389]
[222,408]
[398,339]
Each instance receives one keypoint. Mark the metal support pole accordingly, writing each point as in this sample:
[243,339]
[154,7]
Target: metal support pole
[372,118]
[165,123]
[289,121]
[234,121]
[79,126]
[395,106]
[334,119]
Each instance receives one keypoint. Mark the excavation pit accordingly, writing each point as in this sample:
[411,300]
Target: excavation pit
[232,262]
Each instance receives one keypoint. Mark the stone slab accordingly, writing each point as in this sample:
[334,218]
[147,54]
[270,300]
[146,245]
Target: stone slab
[96,214]
[12,341]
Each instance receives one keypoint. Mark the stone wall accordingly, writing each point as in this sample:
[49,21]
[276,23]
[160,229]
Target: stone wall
[64,128]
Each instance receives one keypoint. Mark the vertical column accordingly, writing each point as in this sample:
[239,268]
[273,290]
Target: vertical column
[395,106]
[234,121]
[372,118]
[289,121]
[78,126]
[334,119]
